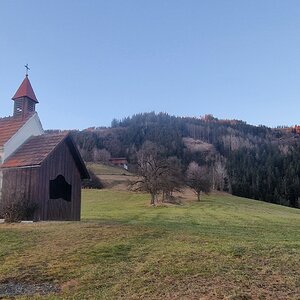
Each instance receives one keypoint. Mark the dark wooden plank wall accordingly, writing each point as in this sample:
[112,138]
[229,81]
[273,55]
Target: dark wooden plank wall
[60,162]
[34,184]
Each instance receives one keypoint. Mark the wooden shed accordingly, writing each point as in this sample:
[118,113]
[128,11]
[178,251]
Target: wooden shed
[46,170]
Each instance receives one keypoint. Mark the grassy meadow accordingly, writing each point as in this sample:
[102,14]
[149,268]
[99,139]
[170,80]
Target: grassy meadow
[224,247]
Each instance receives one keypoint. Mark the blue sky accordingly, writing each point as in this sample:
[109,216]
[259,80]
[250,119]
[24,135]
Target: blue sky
[92,61]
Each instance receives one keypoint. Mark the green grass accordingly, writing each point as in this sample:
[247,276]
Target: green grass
[223,247]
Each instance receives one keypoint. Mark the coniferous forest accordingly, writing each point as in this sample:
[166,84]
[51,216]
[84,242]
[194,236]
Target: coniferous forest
[250,161]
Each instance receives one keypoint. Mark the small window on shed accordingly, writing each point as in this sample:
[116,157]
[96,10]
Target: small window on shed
[59,188]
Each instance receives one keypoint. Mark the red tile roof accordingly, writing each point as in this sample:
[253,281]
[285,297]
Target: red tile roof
[34,151]
[9,126]
[25,90]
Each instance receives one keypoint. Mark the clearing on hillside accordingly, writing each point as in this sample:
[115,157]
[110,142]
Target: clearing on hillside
[112,177]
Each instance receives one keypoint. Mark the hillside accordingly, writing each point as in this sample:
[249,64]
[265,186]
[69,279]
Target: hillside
[223,247]
[250,161]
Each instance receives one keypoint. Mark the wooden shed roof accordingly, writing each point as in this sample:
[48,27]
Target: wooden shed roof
[37,148]
[9,126]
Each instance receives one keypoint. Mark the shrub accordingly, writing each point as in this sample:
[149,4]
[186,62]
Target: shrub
[93,183]
[17,209]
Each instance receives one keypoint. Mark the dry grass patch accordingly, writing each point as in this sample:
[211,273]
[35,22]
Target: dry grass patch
[222,248]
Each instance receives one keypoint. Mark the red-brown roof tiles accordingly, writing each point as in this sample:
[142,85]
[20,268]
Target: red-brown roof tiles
[25,90]
[9,126]
[34,151]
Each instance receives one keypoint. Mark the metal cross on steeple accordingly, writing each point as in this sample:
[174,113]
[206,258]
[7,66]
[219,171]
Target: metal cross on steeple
[27,69]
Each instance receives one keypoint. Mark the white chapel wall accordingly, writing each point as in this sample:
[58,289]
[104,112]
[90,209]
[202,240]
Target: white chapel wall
[1,160]
[32,127]
[1,176]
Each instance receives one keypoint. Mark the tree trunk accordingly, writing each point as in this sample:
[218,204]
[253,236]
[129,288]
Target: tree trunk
[167,196]
[199,196]
[163,196]
[152,199]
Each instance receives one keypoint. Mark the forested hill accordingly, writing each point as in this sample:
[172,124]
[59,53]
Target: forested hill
[250,161]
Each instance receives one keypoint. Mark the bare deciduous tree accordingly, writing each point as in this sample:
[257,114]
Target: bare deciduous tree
[101,155]
[172,180]
[219,175]
[198,179]
[153,168]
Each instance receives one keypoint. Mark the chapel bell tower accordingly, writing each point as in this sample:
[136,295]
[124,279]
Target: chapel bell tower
[25,99]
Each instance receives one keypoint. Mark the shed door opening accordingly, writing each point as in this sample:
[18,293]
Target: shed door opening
[59,188]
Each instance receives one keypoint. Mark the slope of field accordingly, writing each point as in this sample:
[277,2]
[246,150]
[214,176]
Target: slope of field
[102,169]
[112,177]
[223,247]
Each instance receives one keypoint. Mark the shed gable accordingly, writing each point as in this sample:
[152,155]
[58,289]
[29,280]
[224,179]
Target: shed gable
[38,148]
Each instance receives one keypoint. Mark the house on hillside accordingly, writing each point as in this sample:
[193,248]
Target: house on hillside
[44,169]
[119,162]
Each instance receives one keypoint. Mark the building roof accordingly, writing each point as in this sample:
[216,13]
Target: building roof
[25,90]
[118,159]
[9,126]
[37,148]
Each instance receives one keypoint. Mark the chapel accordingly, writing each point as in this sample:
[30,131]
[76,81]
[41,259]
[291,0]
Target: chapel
[36,167]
